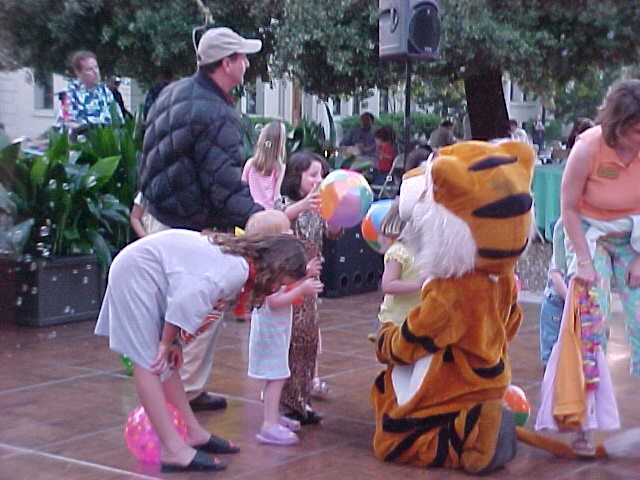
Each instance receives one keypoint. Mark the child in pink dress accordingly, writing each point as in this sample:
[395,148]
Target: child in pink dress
[265,170]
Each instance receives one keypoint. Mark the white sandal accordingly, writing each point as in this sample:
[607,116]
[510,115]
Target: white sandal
[319,388]
[583,446]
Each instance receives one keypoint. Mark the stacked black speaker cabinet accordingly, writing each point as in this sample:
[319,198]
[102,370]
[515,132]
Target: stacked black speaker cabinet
[409,29]
[350,265]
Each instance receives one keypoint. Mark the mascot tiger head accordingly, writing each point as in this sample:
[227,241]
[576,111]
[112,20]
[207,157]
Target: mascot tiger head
[470,209]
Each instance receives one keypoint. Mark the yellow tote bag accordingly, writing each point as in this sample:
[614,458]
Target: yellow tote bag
[570,397]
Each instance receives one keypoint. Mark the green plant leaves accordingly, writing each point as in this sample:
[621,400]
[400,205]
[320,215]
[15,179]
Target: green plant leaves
[103,169]
[38,171]
[75,196]
[101,248]
[59,147]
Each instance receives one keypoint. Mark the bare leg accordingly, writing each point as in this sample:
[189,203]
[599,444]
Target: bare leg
[176,396]
[319,388]
[174,391]
[152,396]
[272,391]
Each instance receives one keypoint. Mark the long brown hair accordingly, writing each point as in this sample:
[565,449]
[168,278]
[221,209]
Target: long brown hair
[297,164]
[274,257]
[392,225]
[621,109]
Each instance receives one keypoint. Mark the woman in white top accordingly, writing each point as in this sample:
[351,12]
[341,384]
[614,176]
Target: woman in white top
[167,282]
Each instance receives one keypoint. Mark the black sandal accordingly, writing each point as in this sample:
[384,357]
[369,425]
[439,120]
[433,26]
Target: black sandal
[217,444]
[310,417]
[199,463]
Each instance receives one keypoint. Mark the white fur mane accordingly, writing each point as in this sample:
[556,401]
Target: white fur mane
[442,243]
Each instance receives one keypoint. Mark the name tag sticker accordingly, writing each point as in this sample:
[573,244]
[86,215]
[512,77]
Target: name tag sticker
[607,171]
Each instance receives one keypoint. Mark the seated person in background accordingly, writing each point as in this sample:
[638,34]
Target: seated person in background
[518,134]
[362,137]
[113,82]
[386,152]
[164,78]
[442,136]
[86,101]
[417,157]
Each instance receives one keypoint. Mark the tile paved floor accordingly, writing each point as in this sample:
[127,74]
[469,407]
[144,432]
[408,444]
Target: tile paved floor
[64,398]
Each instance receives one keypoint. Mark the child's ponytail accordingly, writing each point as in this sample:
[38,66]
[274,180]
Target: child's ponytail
[392,225]
[271,148]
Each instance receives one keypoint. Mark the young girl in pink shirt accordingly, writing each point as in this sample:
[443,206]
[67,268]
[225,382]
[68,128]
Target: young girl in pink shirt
[265,170]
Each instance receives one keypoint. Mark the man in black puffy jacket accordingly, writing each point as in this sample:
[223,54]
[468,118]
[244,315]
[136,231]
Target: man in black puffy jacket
[192,151]
[191,168]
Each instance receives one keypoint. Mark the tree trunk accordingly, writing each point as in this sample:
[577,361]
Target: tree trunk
[486,106]
[296,103]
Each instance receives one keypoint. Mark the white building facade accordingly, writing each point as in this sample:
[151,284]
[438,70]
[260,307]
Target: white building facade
[28,107]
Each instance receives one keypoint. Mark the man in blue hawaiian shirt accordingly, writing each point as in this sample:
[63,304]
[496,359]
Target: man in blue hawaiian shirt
[87,101]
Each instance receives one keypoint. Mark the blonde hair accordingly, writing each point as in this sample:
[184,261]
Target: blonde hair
[270,149]
[268,222]
[392,225]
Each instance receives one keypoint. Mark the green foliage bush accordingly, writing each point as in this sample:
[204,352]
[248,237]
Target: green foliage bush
[553,131]
[75,198]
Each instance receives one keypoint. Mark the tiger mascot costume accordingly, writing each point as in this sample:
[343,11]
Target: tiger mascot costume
[439,401]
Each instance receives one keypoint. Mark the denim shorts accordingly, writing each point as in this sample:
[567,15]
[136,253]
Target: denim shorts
[550,318]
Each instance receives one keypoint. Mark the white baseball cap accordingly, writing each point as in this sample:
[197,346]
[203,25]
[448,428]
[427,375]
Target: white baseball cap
[221,42]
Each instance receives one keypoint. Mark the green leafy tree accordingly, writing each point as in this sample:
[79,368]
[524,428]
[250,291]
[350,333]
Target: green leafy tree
[331,46]
[136,38]
[543,44]
[582,97]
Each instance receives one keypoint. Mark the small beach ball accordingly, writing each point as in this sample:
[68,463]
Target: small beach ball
[345,198]
[372,221]
[126,363]
[141,437]
[516,401]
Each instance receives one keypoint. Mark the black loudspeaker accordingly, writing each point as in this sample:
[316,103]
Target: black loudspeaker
[409,29]
[350,265]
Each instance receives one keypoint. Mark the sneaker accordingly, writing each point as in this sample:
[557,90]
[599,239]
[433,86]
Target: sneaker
[277,435]
[319,389]
[290,423]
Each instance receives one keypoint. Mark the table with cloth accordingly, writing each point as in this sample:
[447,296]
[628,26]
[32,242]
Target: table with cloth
[546,196]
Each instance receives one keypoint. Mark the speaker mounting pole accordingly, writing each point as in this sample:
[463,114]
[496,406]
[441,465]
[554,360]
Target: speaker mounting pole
[407,108]
[409,30]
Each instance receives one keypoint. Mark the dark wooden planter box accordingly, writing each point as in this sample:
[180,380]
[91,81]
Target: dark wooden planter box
[57,290]
[7,290]
[350,265]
